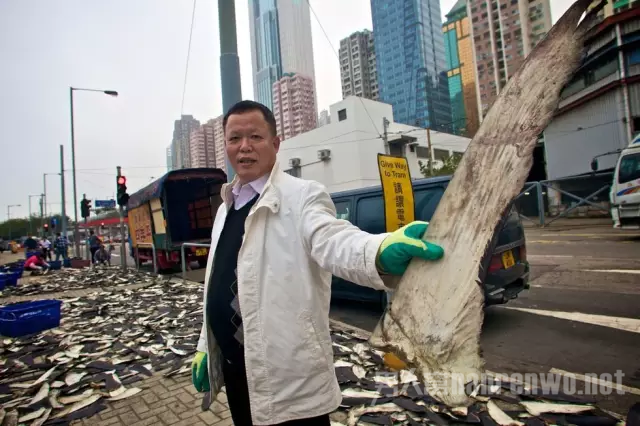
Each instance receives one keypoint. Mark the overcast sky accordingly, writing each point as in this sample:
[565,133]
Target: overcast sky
[139,48]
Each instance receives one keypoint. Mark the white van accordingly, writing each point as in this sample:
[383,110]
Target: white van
[625,188]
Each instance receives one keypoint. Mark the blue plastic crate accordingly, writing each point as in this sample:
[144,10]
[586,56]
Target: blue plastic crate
[3,282]
[55,264]
[12,278]
[9,278]
[21,319]
[67,263]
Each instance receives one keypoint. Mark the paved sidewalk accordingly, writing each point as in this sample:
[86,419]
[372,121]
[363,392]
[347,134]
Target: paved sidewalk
[163,402]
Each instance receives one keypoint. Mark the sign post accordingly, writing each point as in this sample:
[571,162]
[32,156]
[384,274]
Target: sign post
[397,191]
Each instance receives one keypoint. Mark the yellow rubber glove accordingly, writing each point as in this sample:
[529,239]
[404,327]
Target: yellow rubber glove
[397,250]
[200,372]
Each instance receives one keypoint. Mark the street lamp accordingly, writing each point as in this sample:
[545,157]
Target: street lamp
[44,181]
[73,161]
[30,220]
[9,216]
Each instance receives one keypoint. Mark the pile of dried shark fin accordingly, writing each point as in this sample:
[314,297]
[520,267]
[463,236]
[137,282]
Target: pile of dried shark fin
[435,318]
[375,395]
[77,279]
[105,344]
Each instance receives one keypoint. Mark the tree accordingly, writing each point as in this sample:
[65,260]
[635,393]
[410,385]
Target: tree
[449,165]
[20,226]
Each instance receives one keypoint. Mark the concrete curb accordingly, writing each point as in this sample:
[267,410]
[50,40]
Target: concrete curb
[359,332]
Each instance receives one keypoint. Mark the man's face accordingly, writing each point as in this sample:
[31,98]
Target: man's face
[251,146]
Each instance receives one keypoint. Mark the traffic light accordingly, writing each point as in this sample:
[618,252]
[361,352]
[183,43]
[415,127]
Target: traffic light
[46,227]
[85,208]
[122,196]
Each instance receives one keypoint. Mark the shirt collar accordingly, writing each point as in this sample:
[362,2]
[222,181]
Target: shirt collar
[257,185]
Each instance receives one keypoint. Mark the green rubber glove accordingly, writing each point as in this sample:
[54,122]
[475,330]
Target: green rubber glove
[397,250]
[200,372]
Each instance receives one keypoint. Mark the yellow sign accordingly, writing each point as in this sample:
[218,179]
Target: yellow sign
[397,191]
[140,225]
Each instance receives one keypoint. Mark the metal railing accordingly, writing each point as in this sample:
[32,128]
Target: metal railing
[183,257]
[153,250]
[540,187]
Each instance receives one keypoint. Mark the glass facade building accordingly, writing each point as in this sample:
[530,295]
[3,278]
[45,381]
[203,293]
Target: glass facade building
[265,48]
[411,61]
[280,32]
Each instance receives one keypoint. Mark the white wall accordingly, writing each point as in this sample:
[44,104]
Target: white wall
[355,143]
[569,151]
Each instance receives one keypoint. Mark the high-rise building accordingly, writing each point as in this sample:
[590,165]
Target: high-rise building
[207,145]
[324,118]
[181,153]
[294,105]
[358,72]
[280,32]
[461,71]
[411,63]
[218,138]
[607,10]
[504,33]
[169,159]
[202,148]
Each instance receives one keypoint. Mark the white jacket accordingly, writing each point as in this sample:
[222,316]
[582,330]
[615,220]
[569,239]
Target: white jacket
[293,244]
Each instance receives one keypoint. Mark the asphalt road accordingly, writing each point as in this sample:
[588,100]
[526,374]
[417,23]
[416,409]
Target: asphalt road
[576,272]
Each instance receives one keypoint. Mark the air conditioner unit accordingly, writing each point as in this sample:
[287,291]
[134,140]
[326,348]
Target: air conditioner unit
[324,154]
[294,162]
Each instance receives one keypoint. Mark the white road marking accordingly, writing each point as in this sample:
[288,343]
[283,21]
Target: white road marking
[550,255]
[115,255]
[620,323]
[599,235]
[599,382]
[615,271]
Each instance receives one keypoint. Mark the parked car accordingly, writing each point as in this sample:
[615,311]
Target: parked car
[506,263]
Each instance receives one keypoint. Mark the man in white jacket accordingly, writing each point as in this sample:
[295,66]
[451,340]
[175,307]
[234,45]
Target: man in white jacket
[275,244]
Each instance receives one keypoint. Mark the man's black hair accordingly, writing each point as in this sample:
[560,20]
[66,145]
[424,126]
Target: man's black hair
[246,106]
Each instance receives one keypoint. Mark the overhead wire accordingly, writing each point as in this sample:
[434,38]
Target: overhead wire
[186,71]
[338,56]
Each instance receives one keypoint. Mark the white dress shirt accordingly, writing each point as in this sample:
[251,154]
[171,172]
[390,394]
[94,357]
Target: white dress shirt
[242,194]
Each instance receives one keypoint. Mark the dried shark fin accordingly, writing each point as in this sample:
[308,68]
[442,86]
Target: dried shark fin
[435,319]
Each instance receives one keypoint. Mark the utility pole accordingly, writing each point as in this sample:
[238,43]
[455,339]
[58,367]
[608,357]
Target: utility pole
[44,194]
[76,233]
[430,151]
[86,230]
[229,63]
[123,247]
[31,216]
[42,213]
[63,224]
[9,217]
[385,127]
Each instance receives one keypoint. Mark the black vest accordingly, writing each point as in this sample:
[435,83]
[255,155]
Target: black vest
[223,285]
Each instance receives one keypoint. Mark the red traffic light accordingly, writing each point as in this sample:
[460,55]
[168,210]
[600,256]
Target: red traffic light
[122,180]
